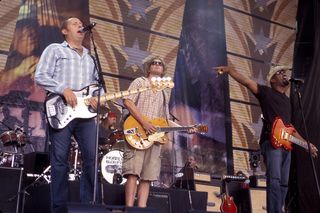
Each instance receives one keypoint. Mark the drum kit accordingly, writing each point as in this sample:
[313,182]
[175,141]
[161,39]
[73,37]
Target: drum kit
[12,139]
[110,151]
[110,158]
[112,155]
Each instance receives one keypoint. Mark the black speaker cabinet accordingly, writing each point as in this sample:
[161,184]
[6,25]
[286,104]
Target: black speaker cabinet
[36,162]
[159,200]
[10,185]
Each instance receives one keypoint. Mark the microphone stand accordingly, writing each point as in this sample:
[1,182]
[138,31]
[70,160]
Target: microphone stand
[297,91]
[101,85]
[173,153]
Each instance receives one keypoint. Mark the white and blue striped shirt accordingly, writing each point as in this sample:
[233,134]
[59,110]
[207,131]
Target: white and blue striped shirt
[61,67]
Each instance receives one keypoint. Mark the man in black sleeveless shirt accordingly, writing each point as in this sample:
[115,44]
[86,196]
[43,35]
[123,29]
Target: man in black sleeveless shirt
[274,103]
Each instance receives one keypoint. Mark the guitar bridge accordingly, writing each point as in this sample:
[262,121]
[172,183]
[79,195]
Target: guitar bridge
[52,111]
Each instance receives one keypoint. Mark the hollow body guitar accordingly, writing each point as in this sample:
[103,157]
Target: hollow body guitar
[137,138]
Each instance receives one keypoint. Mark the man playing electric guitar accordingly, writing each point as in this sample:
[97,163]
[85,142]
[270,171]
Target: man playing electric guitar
[62,69]
[274,103]
[144,165]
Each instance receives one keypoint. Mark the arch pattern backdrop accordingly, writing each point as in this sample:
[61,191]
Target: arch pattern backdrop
[254,35]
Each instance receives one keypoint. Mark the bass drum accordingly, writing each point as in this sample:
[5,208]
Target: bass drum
[111,167]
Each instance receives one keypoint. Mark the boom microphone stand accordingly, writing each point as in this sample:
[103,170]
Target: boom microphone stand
[103,86]
[297,85]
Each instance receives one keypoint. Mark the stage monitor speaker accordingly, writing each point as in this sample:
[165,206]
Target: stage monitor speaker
[258,200]
[10,185]
[214,201]
[159,200]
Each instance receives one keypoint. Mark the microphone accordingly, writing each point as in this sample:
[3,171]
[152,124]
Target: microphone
[296,80]
[87,28]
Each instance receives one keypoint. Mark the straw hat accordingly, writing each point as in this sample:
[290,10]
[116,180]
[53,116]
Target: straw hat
[275,69]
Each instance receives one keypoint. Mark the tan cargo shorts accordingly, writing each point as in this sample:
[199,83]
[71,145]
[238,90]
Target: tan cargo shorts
[143,163]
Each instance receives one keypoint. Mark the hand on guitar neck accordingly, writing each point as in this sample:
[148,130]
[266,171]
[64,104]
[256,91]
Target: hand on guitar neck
[284,135]
[314,150]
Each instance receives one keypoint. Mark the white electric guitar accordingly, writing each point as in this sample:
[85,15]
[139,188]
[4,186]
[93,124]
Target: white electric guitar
[59,113]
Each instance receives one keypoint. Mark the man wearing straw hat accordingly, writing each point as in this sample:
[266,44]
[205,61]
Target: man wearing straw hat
[274,103]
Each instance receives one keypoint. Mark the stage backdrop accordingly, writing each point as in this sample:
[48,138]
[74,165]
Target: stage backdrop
[191,36]
[199,95]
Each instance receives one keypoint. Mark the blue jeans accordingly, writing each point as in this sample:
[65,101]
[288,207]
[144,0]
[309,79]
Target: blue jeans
[84,131]
[277,163]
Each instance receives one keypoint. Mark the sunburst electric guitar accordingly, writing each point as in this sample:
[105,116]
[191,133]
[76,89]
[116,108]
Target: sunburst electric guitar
[59,113]
[137,137]
[281,136]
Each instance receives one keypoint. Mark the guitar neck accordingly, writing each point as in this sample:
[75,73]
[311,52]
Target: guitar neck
[121,94]
[226,188]
[298,142]
[172,129]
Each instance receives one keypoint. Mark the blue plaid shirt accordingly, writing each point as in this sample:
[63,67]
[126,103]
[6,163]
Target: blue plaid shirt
[61,67]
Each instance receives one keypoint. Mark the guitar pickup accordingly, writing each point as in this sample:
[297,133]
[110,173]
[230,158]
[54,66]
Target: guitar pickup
[52,111]
[131,131]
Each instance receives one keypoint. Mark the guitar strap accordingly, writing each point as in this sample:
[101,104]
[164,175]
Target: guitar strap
[166,104]
[144,78]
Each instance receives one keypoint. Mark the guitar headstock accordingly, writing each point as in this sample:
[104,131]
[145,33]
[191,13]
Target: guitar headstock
[201,128]
[158,83]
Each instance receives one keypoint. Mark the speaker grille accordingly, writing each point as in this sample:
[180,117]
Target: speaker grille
[10,185]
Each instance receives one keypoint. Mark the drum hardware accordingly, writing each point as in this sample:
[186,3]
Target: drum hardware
[115,137]
[11,159]
[117,178]
[24,190]
[74,160]
[45,176]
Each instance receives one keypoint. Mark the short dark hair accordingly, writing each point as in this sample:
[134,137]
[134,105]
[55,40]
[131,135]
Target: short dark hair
[64,24]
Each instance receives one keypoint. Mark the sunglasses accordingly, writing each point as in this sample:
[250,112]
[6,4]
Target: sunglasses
[157,63]
[281,72]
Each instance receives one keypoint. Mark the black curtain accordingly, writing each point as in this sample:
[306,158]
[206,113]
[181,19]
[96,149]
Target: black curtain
[303,195]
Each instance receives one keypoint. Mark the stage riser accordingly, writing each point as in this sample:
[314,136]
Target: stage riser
[163,200]
[85,208]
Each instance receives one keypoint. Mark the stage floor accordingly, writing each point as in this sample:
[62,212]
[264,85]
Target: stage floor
[164,200]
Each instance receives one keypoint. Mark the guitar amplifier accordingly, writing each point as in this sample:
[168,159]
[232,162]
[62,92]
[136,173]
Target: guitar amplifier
[258,181]
[201,176]
[190,174]
[188,177]
[214,201]
[258,200]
